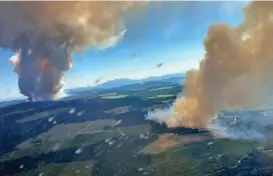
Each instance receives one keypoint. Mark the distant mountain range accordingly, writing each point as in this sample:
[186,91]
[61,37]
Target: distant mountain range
[170,79]
[122,84]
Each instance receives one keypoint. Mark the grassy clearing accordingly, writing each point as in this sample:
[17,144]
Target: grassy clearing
[16,112]
[113,96]
[162,88]
[118,110]
[162,96]
[79,168]
[43,114]
[170,141]
[136,129]
[108,94]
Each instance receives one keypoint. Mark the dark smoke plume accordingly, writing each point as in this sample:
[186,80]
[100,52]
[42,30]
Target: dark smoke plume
[44,34]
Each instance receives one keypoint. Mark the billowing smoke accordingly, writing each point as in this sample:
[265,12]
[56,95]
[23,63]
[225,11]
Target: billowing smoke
[44,34]
[236,71]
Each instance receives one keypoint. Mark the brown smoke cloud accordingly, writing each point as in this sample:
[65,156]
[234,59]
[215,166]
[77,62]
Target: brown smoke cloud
[45,33]
[236,71]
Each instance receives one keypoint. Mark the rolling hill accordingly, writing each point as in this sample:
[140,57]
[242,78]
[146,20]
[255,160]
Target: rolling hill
[165,80]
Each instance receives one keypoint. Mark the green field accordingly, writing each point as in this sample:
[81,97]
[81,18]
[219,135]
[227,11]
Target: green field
[161,96]
[113,96]
[162,88]
[40,115]
[78,168]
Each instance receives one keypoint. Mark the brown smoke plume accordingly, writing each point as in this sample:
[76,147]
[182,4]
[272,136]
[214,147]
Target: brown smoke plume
[236,71]
[44,34]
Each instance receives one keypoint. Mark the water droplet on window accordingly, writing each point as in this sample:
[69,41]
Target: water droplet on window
[71,111]
[107,140]
[80,113]
[210,143]
[56,147]
[78,151]
[117,122]
[50,119]
[29,51]
[142,136]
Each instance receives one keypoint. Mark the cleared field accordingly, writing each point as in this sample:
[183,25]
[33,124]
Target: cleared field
[108,94]
[77,168]
[40,115]
[162,96]
[136,129]
[162,88]
[16,112]
[68,131]
[170,141]
[113,96]
[118,110]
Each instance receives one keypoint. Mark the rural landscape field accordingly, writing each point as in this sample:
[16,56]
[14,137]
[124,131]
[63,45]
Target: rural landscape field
[104,132]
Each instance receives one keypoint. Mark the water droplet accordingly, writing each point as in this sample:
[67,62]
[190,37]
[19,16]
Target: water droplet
[112,142]
[260,148]
[146,137]
[78,151]
[71,111]
[142,136]
[107,140]
[210,143]
[80,113]
[118,122]
[50,119]
[29,51]
[54,122]
[140,169]
[41,174]
[56,147]
[21,166]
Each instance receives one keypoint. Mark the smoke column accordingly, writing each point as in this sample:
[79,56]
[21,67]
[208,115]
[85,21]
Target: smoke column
[236,71]
[44,34]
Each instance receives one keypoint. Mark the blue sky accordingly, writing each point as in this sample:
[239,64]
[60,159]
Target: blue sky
[168,32]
